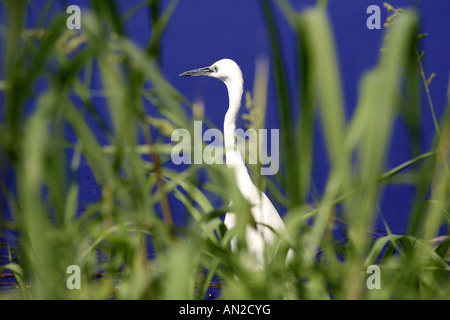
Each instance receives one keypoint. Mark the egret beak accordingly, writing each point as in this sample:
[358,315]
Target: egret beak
[197,72]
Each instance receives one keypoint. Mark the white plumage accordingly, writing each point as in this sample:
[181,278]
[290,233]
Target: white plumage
[263,211]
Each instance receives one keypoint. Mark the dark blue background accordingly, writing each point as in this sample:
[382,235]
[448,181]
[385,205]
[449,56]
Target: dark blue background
[203,31]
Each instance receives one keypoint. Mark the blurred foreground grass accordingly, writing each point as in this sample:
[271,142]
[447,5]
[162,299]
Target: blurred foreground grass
[109,240]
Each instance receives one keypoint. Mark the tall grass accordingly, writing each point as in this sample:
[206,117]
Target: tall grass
[111,237]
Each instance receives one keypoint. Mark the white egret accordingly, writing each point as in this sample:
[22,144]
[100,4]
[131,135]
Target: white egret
[263,211]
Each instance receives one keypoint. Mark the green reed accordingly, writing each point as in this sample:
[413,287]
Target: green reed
[110,237]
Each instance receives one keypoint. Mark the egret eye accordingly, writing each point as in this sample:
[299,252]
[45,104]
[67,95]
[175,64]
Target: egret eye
[215,69]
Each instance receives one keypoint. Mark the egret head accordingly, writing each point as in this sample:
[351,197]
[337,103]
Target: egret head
[226,70]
